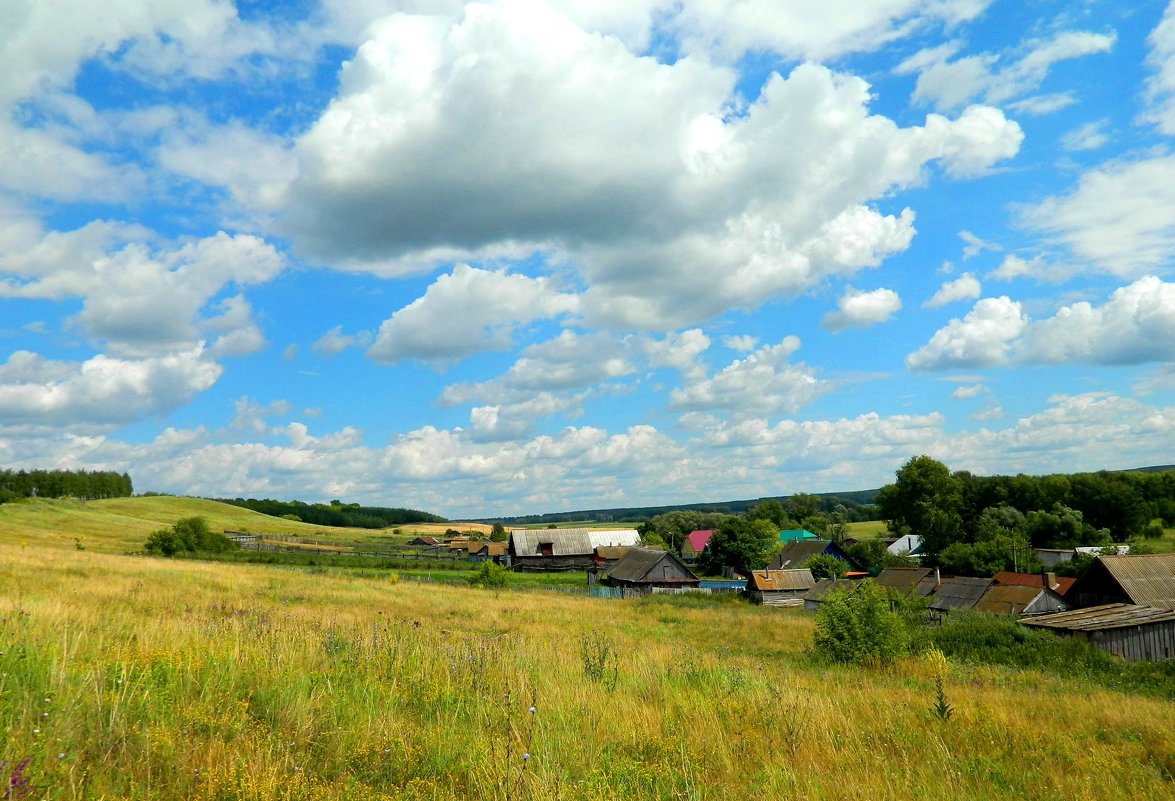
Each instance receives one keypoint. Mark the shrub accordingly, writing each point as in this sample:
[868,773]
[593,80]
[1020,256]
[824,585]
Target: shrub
[827,566]
[490,576]
[190,535]
[858,626]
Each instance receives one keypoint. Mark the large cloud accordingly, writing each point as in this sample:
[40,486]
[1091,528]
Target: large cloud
[1160,87]
[136,299]
[762,383]
[1136,325]
[99,393]
[467,311]
[981,339]
[515,126]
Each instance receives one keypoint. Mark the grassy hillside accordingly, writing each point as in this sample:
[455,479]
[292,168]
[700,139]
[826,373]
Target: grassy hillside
[119,525]
[136,678]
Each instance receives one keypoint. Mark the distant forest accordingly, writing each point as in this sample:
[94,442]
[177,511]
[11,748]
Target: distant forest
[336,513]
[858,506]
[84,484]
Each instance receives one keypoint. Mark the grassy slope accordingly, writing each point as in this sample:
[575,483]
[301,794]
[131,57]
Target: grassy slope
[136,678]
[119,525]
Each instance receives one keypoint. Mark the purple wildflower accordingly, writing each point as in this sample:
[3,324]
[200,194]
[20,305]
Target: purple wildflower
[16,785]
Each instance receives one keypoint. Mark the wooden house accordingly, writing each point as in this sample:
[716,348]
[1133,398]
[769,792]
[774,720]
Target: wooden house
[550,549]
[779,587]
[957,593]
[904,582]
[796,554]
[823,588]
[1058,584]
[608,555]
[424,542]
[1142,580]
[645,569]
[488,552]
[695,542]
[1019,599]
[1126,630]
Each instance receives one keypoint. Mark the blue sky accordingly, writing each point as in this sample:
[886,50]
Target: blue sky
[522,256]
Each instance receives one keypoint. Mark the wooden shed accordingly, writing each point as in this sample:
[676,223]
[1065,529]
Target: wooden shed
[1143,579]
[1126,630]
[645,569]
[779,587]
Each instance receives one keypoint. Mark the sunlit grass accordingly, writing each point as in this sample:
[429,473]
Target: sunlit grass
[137,678]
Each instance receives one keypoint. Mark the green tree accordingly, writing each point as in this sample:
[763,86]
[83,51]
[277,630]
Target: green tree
[190,535]
[498,533]
[826,566]
[857,626]
[739,543]
[925,500]
[490,576]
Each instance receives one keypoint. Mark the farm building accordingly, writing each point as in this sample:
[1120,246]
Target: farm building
[695,542]
[814,597]
[424,542]
[1019,599]
[797,552]
[908,544]
[907,581]
[488,552]
[563,548]
[1051,557]
[1126,630]
[1058,584]
[779,587]
[958,593]
[794,534]
[1144,580]
[644,569]
[609,555]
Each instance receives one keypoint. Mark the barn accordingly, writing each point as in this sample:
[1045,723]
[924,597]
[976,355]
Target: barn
[563,548]
[645,569]
[779,587]
[1126,630]
[1142,580]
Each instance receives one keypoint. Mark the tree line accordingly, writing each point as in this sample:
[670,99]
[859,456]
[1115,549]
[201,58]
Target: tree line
[336,513]
[978,525]
[84,484]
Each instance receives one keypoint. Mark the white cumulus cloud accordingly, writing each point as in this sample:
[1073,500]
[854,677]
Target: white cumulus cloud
[981,339]
[860,309]
[965,287]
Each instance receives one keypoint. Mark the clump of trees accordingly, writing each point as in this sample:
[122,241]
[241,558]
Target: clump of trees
[337,513]
[85,484]
[979,525]
[188,535]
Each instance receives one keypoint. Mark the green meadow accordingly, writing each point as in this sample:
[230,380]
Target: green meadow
[128,677]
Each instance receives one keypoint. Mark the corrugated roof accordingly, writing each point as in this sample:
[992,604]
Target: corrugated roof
[1107,616]
[797,552]
[781,580]
[793,534]
[563,541]
[698,539]
[906,579]
[607,538]
[1007,599]
[613,551]
[821,589]
[635,565]
[959,592]
[1148,579]
[1006,577]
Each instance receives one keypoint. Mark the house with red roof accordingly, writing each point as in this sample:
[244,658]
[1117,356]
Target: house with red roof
[695,542]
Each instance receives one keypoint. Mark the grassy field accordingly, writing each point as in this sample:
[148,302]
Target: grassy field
[868,528]
[120,525]
[135,678]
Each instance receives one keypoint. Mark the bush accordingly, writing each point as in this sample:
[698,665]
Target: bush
[826,566]
[188,535]
[490,576]
[857,626]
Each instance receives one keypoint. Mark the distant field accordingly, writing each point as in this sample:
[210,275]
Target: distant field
[119,525]
[134,678]
[868,528]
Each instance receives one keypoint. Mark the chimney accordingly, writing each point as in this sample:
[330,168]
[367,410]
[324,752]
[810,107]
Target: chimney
[937,578]
[1050,581]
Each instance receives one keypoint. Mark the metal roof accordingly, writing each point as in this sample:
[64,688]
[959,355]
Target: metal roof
[959,592]
[822,588]
[780,580]
[607,538]
[635,565]
[698,539]
[1007,599]
[563,541]
[1095,618]
[1062,585]
[1148,579]
[907,579]
[797,552]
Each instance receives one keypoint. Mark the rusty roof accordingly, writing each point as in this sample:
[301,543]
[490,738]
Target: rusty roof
[1006,577]
[1148,579]
[1107,616]
[780,580]
[1007,599]
[959,592]
[613,551]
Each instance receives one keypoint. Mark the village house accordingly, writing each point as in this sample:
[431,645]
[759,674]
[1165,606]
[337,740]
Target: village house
[695,542]
[904,582]
[796,553]
[644,570]
[563,548]
[779,587]
[1019,599]
[823,588]
[1142,579]
[957,593]
[1058,584]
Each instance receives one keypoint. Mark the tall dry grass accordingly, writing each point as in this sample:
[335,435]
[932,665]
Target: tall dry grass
[134,678]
